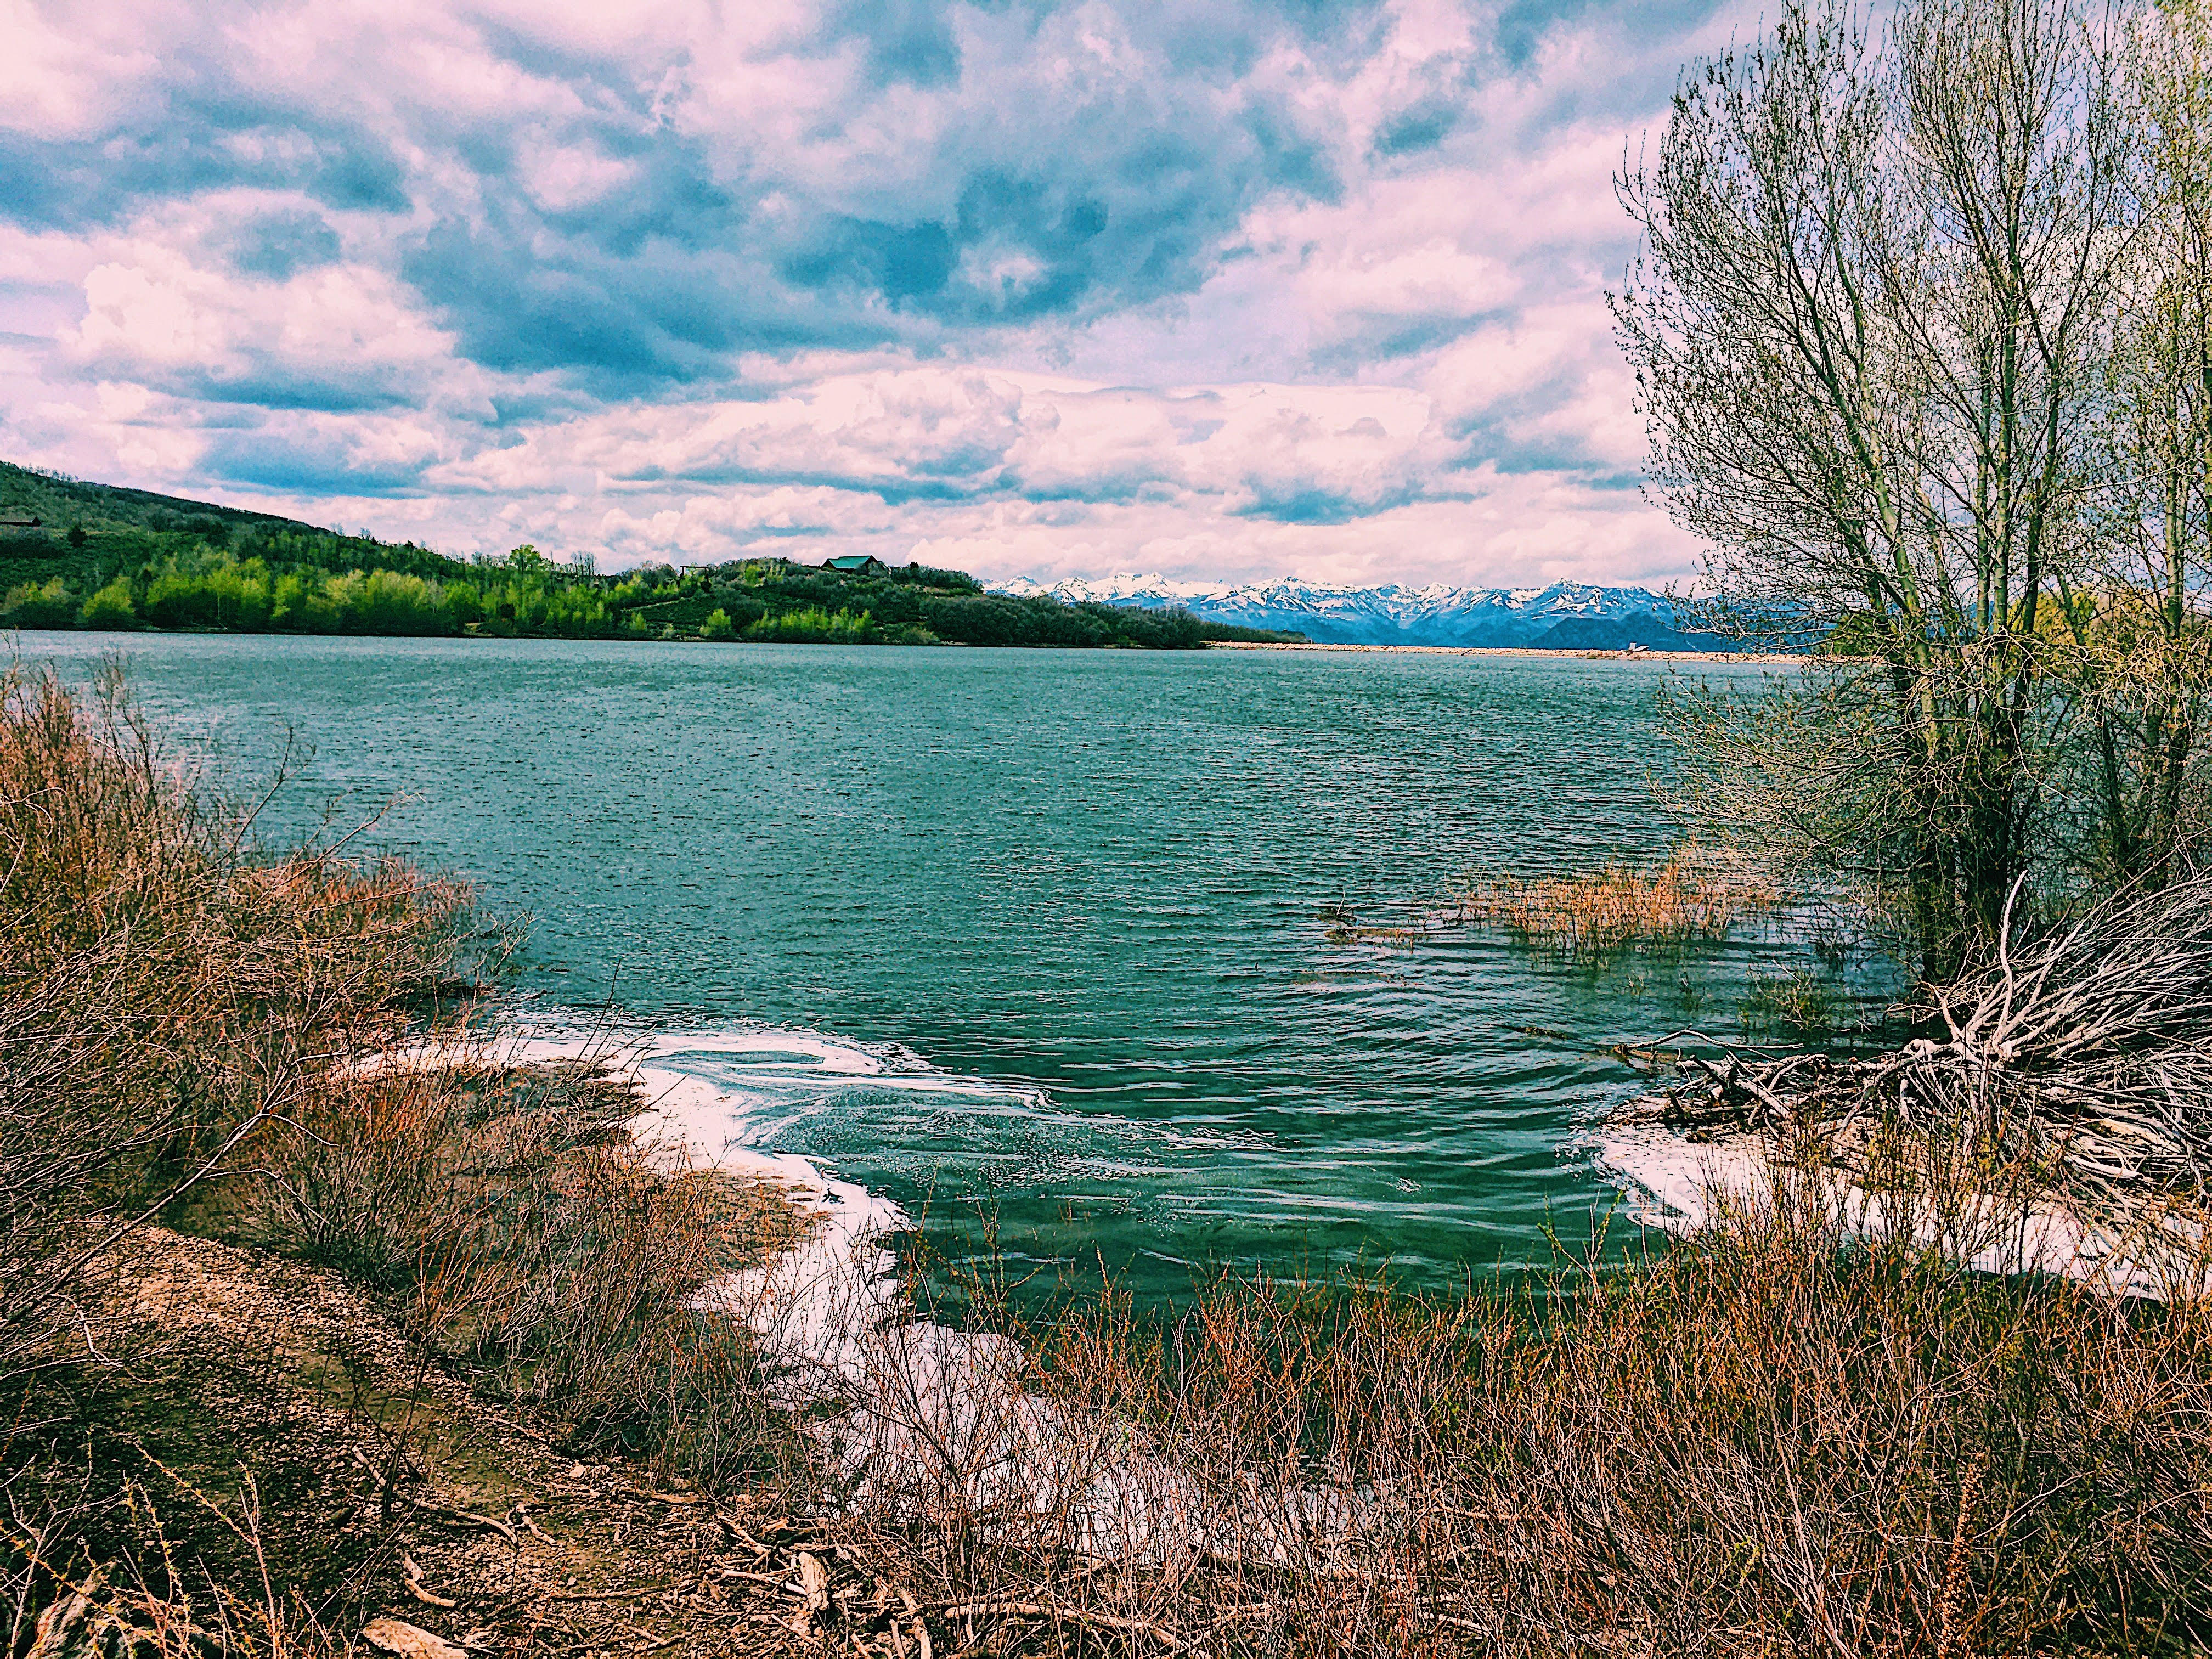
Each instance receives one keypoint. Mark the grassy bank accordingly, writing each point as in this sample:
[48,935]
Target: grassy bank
[203,1036]
[317,1314]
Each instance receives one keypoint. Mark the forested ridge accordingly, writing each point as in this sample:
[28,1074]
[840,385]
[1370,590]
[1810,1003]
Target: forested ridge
[99,557]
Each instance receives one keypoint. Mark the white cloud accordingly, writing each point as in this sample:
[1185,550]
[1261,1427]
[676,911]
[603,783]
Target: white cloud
[691,279]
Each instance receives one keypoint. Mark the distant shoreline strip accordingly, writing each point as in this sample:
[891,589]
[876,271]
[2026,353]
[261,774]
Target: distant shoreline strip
[1524,651]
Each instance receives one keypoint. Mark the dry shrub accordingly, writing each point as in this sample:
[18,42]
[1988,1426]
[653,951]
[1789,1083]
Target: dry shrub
[161,994]
[528,1242]
[1853,1447]
[1776,1436]
[269,1045]
[1693,896]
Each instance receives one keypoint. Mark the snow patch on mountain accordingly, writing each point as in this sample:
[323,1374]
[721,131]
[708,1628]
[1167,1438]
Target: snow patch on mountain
[1565,616]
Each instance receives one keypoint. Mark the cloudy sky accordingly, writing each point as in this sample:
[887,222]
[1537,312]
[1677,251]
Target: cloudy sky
[1227,290]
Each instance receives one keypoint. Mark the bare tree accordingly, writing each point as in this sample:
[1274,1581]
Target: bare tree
[2141,668]
[1870,324]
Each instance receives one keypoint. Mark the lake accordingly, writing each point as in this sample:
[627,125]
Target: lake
[1083,910]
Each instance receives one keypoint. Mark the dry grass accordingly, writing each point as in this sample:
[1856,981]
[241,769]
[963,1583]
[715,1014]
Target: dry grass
[1692,896]
[525,1241]
[193,1030]
[148,1603]
[1774,1439]
[283,1398]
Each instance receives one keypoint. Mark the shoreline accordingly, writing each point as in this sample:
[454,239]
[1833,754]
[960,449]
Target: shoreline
[1557,651]
[491,1350]
[1774,658]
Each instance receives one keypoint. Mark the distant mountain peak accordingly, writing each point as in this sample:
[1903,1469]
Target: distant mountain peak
[1562,616]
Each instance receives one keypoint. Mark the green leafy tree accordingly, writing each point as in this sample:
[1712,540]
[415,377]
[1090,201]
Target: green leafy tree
[40,605]
[110,607]
[814,625]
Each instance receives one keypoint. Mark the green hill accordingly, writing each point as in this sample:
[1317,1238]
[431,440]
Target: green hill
[103,557]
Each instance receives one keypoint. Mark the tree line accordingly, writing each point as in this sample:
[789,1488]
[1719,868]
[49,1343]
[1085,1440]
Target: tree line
[256,577]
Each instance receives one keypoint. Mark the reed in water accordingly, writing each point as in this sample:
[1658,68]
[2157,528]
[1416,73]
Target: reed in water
[1693,896]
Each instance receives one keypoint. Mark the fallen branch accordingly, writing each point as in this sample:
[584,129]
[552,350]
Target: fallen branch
[2085,1051]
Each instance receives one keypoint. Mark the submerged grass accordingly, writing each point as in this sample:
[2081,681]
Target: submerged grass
[1796,1001]
[1691,896]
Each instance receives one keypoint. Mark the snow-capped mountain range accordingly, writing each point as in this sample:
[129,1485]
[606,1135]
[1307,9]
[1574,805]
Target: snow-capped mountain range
[1566,616]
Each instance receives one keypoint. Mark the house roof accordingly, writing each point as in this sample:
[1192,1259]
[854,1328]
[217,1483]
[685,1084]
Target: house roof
[850,561]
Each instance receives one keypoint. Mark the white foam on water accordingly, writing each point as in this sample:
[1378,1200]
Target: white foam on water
[1681,1185]
[810,1303]
[922,1411]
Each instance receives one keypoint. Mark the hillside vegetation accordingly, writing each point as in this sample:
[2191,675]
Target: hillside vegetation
[107,558]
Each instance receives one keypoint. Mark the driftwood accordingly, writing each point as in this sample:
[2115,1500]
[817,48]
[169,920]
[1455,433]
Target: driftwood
[2084,1052]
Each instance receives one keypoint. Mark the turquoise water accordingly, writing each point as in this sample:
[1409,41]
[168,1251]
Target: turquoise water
[1103,889]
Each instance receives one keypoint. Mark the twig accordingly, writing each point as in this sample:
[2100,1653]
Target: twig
[764,1578]
[421,1591]
[920,1625]
[744,1537]
[1071,1615]
[499,1527]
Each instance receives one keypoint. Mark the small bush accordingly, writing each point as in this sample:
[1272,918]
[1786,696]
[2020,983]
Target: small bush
[110,607]
[718,625]
[46,604]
